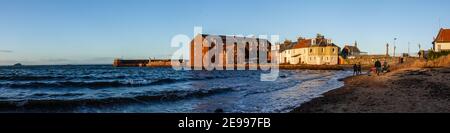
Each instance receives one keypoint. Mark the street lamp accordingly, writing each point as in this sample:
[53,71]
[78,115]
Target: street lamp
[394,50]
[395,39]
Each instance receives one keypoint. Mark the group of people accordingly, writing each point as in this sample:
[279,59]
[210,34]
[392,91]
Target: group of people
[378,68]
[357,70]
[381,68]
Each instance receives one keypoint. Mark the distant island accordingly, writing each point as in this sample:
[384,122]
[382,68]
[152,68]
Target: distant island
[17,64]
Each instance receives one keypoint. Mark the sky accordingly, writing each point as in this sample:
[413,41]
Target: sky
[38,32]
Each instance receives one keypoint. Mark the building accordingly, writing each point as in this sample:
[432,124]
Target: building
[351,51]
[300,51]
[285,52]
[234,51]
[442,40]
[130,63]
[146,62]
[323,52]
[316,51]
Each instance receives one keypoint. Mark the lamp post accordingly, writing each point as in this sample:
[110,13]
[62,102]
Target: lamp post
[420,51]
[395,39]
[387,49]
[394,50]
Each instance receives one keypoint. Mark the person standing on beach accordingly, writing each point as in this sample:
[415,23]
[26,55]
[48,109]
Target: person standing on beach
[355,69]
[385,66]
[359,69]
[378,67]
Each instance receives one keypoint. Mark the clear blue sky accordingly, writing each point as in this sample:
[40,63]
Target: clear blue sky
[96,31]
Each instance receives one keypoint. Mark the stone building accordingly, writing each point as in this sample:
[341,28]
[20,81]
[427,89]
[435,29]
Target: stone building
[351,51]
[235,51]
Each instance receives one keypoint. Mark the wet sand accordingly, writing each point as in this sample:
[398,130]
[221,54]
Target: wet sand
[411,90]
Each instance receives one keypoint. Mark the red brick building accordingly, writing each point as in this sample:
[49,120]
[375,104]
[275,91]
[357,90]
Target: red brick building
[235,51]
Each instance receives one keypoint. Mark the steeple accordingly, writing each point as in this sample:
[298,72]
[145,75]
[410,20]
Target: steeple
[356,44]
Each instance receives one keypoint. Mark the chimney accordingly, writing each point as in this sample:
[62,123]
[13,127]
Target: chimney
[299,39]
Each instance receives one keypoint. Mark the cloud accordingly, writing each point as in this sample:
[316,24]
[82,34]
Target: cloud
[5,51]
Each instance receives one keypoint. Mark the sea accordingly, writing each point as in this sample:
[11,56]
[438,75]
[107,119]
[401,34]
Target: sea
[108,89]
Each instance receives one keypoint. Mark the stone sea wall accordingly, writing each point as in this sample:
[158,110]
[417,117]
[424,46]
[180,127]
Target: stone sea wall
[370,59]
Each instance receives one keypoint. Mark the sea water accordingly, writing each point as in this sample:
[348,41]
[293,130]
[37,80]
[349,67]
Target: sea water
[103,88]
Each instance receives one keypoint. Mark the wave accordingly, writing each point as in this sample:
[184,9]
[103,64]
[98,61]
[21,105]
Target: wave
[61,103]
[70,77]
[298,82]
[36,82]
[67,84]
[164,81]
[170,81]
[89,84]
[27,78]
[57,95]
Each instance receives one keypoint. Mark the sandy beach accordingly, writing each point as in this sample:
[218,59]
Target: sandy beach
[410,90]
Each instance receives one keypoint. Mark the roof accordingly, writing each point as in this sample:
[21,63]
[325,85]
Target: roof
[324,45]
[284,47]
[224,37]
[352,48]
[303,43]
[443,36]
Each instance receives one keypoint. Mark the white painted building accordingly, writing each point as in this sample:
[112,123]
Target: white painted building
[286,52]
[317,51]
[442,40]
